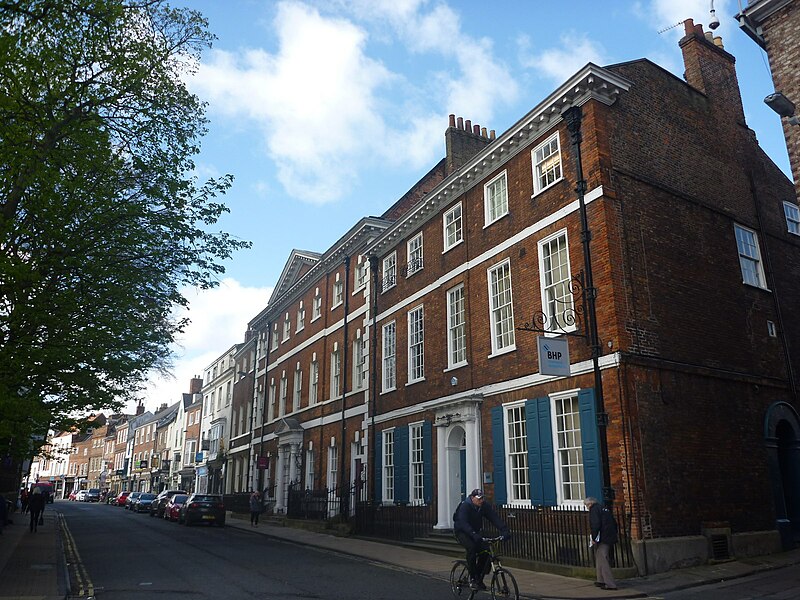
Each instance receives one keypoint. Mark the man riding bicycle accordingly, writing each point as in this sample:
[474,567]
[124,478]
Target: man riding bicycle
[467,526]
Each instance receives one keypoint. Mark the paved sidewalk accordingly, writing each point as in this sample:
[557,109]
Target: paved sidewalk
[32,565]
[532,584]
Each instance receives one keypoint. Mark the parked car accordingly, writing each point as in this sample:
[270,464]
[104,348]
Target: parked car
[203,508]
[92,495]
[173,508]
[144,502]
[131,500]
[81,495]
[160,503]
[120,500]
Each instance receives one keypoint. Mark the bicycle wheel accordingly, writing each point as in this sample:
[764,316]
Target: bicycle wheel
[504,586]
[459,579]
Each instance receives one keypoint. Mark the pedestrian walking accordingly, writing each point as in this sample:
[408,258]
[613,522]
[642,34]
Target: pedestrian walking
[255,508]
[36,506]
[604,536]
[23,499]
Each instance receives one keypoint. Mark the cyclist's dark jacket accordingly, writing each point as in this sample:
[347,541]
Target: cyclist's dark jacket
[468,519]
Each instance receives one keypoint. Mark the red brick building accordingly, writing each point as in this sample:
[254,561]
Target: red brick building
[421,375]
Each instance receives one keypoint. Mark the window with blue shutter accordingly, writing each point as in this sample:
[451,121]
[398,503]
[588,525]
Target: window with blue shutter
[427,458]
[499,456]
[401,481]
[590,444]
[541,461]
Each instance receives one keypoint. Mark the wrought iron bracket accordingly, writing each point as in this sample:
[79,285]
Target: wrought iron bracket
[564,317]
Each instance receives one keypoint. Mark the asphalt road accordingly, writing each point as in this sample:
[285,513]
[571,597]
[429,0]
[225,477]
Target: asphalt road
[129,556]
[779,584]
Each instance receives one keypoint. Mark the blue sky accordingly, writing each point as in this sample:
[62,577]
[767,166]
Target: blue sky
[329,111]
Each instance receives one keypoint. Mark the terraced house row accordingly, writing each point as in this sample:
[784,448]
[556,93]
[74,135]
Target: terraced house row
[401,365]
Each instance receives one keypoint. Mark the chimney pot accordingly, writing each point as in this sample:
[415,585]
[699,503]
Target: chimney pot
[492,134]
[709,36]
[718,42]
[476,129]
[688,26]
[483,132]
[468,125]
[460,121]
[452,120]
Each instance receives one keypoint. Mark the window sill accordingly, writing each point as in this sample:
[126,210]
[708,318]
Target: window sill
[410,274]
[490,223]
[386,289]
[299,330]
[757,287]
[420,380]
[503,351]
[388,390]
[547,187]
[456,245]
[455,367]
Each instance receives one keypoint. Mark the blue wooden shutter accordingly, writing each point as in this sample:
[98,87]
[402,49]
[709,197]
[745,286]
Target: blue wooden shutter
[550,498]
[378,458]
[499,456]
[534,452]
[401,464]
[590,445]
[427,462]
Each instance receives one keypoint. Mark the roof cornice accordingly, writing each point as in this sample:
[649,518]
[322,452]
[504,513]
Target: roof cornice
[590,83]
[751,19]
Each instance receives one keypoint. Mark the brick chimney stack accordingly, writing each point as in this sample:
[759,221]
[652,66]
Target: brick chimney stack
[139,409]
[463,140]
[712,70]
[195,385]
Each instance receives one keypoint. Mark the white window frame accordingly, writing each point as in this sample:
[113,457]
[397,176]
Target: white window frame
[287,327]
[792,213]
[298,388]
[272,399]
[284,394]
[453,227]
[557,298]
[416,344]
[301,317]
[568,449]
[749,256]
[336,373]
[516,441]
[456,327]
[333,467]
[338,293]
[361,274]
[496,312]
[389,357]
[310,469]
[313,383]
[275,340]
[414,255]
[416,464]
[359,363]
[389,272]
[316,307]
[550,163]
[387,466]
[495,198]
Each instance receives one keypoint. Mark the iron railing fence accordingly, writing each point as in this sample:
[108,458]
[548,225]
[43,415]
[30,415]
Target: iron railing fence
[396,522]
[324,504]
[238,502]
[554,535]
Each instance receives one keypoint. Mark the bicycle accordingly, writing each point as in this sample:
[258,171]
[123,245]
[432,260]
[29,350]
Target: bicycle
[503,585]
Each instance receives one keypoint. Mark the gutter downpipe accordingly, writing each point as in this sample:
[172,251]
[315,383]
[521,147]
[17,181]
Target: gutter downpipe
[342,479]
[373,266]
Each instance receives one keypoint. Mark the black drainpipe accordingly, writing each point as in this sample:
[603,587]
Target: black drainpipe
[342,478]
[373,265]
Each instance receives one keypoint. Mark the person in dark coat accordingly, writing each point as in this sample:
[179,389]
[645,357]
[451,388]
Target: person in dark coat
[467,526]
[255,508]
[604,536]
[36,506]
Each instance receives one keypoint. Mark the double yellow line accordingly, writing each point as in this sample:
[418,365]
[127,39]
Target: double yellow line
[83,584]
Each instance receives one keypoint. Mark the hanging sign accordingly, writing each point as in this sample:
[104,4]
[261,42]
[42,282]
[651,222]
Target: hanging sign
[553,355]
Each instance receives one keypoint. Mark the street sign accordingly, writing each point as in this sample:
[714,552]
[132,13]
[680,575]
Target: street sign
[553,355]
[263,462]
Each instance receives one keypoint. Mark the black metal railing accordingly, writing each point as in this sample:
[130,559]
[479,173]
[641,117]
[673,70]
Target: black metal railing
[238,502]
[402,522]
[555,535]
[323,504]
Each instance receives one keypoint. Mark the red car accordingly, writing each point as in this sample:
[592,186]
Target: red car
[173,508]
[120,500]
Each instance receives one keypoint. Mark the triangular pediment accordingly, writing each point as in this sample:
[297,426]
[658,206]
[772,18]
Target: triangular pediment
[298,264]
[288,425]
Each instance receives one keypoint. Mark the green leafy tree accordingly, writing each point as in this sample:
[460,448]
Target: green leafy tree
[102,222]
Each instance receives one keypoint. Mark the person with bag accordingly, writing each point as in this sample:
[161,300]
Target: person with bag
[604,536]
[467,526]
[36,507]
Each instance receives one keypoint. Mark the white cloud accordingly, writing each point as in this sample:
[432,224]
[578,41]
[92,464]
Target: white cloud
[323,104]
[219,320]
[560,63]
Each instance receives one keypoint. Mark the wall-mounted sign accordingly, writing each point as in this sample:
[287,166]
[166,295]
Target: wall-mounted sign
[553,355]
